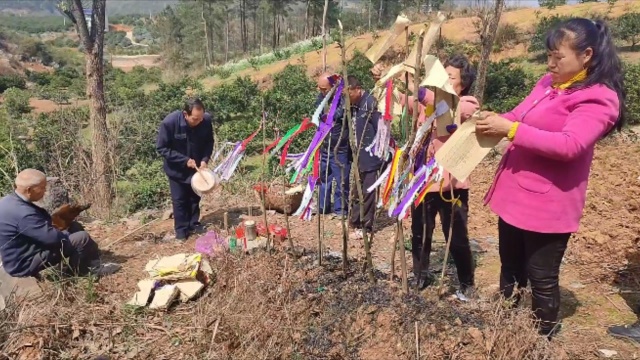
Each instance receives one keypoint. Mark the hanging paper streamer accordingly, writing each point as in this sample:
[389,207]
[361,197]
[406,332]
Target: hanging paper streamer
[425,129]
[304,126]
[414,187]
[323,130]
[306,197]
[230,163]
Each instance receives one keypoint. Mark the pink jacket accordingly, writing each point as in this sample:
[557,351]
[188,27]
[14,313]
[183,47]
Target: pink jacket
[541,182]
[468,106]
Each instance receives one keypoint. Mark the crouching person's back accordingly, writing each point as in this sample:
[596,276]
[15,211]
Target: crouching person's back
[28,241]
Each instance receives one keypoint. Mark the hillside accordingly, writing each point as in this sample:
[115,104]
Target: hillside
[120,7]
[459,29]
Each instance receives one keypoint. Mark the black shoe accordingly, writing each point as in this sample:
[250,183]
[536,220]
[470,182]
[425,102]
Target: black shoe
[425,281]
[550,332]
[198,230]
[631,332]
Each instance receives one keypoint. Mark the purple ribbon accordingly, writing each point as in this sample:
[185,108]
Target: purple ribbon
[323,129]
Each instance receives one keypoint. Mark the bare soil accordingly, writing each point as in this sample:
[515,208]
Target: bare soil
[278,307]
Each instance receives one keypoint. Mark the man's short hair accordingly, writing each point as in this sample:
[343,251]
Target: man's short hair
[191,104]
[353,82]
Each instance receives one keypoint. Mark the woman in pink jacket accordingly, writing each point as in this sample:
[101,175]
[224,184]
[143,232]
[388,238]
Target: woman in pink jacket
[461,75]
[540,186]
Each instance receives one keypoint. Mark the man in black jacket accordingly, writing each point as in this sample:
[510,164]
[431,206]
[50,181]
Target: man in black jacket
[365,115]
[28,241]
[335,164]
[185,141]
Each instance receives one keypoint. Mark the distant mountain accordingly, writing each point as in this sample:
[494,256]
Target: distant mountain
[114,7]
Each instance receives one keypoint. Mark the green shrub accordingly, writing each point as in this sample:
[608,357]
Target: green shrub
[11,81]
[16,102]
[144,187]
[632,86]
[506,86]
[543,26]
[360,67]
[507,36]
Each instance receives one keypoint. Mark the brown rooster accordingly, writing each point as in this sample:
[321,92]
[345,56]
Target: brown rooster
[63,216]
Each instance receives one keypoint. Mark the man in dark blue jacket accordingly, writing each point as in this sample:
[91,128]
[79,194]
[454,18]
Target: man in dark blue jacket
[334,165]
[365,116]
[185,141]
[28,241]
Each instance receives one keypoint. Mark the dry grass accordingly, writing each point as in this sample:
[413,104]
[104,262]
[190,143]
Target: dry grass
[271,308]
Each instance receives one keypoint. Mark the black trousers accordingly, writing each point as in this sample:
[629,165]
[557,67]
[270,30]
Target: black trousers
[425,214]
[528,256]
[186,208]
[367,179]
[81,251]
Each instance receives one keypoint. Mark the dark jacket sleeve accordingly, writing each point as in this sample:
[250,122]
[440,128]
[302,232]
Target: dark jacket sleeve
[208,146]
[41,231]
[163,145]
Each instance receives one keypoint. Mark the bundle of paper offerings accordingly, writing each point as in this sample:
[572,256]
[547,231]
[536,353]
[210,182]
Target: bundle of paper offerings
[183,275]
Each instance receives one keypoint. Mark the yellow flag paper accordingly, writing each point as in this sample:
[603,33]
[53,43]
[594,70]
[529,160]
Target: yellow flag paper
[384,43]
[429,39]
[465,149]
[436,77]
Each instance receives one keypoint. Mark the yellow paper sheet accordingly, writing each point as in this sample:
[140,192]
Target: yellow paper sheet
[464,150]
[435,75]
[429,39]
[452,116]
[385,42]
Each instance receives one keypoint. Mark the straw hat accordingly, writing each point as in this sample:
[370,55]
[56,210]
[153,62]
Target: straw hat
[204,181]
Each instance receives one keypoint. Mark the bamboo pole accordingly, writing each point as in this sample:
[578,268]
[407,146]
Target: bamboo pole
[355,149]
[264,167]
[343,222]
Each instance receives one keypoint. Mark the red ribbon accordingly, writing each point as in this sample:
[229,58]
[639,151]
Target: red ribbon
[246,141]
[306,125]
[271,146]
[387,101]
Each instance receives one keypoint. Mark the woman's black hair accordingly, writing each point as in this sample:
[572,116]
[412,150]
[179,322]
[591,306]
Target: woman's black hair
[191,104]
[605,66]
[467,71]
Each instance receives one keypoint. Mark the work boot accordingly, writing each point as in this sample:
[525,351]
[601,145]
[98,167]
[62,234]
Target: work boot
[199,229]
[631,332]
[169,236]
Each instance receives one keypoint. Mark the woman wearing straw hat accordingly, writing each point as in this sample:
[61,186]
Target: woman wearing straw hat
[185,141]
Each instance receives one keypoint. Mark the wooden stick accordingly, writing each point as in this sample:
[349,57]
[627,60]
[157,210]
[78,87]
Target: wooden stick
[355,150]
[343,221]
[448,246]
[213,337]
[403,259]
[202,175]
[286,214]
[264,166]
[417,342]
[225,221]
[131,233]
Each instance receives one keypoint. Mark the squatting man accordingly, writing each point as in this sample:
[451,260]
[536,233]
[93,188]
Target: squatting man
[29,243]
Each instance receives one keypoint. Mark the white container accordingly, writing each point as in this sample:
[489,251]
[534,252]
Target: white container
[204,182]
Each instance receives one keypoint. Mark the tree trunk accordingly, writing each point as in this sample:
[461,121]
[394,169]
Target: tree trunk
[274,35]
[487,38]
[380,12]
[306,21]
[93,42]
[243,25]
[100,147]
[324,35]
[226,47]
[370,8]
[207,62]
